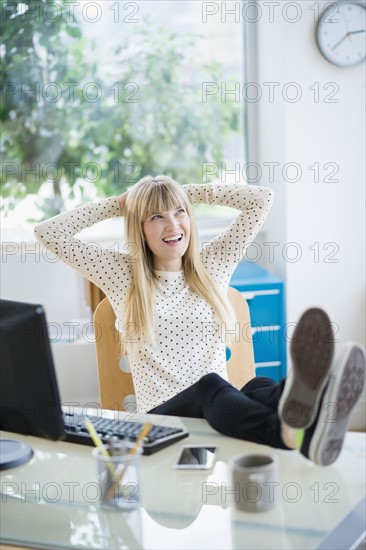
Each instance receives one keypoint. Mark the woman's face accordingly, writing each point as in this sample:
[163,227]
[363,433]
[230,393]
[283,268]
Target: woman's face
[167,235]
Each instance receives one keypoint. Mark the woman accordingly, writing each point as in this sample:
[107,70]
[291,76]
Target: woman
[169,298]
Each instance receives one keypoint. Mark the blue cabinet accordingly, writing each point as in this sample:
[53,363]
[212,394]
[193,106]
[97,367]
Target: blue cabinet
[264,293]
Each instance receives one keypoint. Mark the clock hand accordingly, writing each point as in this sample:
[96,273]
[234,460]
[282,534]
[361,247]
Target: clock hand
[345,21]
[356,32]
[340,41]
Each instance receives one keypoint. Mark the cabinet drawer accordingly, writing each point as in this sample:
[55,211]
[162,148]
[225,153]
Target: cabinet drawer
[266,343]
[264,306]
[270,370]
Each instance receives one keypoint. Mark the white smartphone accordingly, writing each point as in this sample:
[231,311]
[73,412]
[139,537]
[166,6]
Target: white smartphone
[196,457]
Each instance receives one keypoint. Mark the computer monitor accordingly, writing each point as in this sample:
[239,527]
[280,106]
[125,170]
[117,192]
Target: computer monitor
[29,397]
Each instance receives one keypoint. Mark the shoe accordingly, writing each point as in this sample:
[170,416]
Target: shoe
[324,440]
[311,350]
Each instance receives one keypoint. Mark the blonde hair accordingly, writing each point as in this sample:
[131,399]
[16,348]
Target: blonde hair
[157,194]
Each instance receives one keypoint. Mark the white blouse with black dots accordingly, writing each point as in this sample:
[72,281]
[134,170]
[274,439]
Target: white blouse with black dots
[188,342]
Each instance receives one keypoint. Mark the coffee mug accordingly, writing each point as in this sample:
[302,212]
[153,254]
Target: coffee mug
[255,481]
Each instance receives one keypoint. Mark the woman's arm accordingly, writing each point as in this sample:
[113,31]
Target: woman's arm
[227,249]
[57,234]
[227,194]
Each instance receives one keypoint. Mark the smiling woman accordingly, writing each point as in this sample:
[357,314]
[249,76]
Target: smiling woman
[164,295]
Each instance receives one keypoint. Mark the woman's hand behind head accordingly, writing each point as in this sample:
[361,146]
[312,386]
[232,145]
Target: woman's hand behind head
[122,203]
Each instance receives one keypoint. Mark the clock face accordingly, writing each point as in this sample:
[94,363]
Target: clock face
[341,33]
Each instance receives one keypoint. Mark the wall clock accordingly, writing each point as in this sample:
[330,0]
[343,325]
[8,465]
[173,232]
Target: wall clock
[341,35]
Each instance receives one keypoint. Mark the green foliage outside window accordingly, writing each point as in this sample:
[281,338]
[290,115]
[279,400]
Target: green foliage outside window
[149,120]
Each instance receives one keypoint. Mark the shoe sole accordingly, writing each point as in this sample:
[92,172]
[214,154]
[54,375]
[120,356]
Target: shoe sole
[312,349]
[344,390]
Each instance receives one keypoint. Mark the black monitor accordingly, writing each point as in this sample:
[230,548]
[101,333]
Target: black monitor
[29,397]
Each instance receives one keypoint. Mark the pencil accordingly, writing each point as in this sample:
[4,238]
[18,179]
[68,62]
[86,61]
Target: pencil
[103,451]
[144,431]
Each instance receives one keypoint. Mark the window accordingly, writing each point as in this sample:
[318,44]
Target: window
[98,94]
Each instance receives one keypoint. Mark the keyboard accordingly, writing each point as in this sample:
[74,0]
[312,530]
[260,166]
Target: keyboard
[157,438]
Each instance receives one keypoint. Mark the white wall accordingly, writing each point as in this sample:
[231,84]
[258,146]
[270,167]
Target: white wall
[31,274]
[308,132]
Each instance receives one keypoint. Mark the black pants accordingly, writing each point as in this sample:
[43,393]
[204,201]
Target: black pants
[249,413]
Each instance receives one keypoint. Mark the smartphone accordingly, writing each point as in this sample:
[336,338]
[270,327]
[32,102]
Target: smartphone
[196,457]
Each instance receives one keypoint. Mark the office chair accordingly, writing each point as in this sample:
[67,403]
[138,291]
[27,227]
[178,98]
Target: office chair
[115,379]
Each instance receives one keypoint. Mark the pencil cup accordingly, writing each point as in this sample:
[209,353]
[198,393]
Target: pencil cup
[118,476]
[255,481]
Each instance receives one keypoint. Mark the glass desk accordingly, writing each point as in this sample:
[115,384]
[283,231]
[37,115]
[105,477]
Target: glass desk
[50,501]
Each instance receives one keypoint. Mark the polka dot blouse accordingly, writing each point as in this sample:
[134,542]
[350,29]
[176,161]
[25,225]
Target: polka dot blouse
[188,342]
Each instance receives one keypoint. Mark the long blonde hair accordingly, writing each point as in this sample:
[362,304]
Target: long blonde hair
[157,194]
